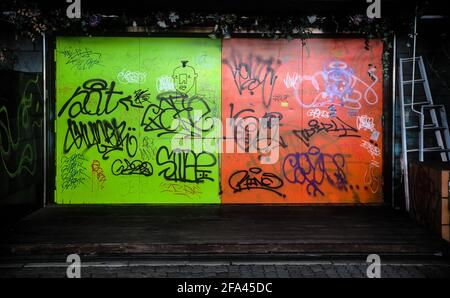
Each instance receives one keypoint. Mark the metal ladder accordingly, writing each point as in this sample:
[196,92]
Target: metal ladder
[438,125]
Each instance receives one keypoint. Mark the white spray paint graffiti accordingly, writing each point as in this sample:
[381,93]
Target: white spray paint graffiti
[372,177]
[131,77]
[318,113]
[292,81]
[165,83]
[372,149]
[365,122]
[336,83]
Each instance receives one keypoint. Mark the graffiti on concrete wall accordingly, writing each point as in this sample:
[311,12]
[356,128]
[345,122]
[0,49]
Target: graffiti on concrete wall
[20,133]
[124,106]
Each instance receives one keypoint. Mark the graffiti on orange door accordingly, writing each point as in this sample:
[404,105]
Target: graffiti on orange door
[327,96]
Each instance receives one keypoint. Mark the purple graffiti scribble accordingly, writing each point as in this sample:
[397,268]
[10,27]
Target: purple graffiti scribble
[313,168]
[337,76]
[336,84]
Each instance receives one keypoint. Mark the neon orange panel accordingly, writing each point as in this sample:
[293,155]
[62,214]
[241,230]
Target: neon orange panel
[327,98]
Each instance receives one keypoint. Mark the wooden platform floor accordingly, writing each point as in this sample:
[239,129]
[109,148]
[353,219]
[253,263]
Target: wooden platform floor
[213,229]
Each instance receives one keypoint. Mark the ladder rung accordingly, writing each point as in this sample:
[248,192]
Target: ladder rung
[426,126]
[435,128]
[429,149]
[416,103]
[432,107]
[417,80]
[416,98]
[410,59]
[435,149]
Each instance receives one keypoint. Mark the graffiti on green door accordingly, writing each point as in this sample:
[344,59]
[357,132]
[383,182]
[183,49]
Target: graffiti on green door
[117,100]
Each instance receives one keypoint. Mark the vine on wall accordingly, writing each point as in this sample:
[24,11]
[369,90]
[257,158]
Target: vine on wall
[31,22]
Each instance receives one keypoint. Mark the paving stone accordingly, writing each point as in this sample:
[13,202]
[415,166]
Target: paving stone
[283,274]
[177,274]
[295,274]
[269,268]
[235,271]
[131,275]
[104,275]
[258,274]
[270,274]
[316,268]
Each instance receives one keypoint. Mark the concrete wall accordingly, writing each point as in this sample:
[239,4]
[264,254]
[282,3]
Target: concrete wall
[21,129]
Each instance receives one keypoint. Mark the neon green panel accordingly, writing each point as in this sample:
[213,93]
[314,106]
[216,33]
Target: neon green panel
[122,104]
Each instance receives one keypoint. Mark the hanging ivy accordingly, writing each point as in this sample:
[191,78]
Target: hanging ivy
[30,22]
[7,58]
